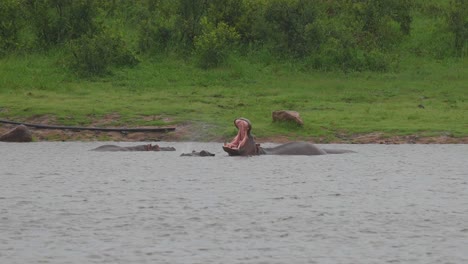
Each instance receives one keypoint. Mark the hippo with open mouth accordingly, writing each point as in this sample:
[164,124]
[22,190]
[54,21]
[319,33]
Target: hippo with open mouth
[244,145]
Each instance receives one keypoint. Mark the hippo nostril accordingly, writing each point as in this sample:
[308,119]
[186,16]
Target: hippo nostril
[240,121]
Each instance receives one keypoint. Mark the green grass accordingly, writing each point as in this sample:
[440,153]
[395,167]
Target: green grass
[331,104]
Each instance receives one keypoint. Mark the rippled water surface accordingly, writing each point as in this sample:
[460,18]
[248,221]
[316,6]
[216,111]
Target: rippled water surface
[60,203]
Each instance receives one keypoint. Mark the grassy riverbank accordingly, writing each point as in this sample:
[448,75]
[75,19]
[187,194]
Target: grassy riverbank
[395,69]
[422,97]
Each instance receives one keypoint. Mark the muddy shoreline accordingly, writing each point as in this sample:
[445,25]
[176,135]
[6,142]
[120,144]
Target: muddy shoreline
[184,133]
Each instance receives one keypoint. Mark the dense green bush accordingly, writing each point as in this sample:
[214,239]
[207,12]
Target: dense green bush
[289,22]
[10,25]
[189,14]
[155,36]
[458,25]
[213,46]
[321,34]
[229,12]
[379,23]
[96,54]
[57,21]
[157,31]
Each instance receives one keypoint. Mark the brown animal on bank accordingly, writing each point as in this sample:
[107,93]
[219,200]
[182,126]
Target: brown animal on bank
[18,134]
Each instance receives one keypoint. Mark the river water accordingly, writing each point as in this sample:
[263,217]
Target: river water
[61,203]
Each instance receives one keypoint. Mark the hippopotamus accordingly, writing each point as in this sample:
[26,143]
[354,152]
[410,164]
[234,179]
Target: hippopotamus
[244,145]
[194,153]
[147,147]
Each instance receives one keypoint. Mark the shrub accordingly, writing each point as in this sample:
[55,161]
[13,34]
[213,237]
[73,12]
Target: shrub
[95,54]
[289,21]
[458,25]
[214,44]
[154,37]
[189,15]
[57,21]
[377,20]
[10,13]
[157,32]
[227,11]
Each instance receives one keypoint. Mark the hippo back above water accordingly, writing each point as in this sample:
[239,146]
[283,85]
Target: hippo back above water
[147,147]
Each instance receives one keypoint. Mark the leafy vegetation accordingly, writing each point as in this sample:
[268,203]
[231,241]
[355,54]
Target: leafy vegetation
[94,54]
[330,35]
[395,66]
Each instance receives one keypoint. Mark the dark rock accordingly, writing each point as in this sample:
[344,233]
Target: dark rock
[19,134]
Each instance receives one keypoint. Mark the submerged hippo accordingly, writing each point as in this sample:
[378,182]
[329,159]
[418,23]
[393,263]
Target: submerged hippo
[244,145]
[194,153]
[148,147]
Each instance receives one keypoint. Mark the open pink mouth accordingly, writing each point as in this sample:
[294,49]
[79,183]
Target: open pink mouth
[242,136]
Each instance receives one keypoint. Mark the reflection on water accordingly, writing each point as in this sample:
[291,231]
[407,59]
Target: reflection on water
[60,203]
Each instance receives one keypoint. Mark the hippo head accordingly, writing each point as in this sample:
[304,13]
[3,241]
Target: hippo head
[243,144]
